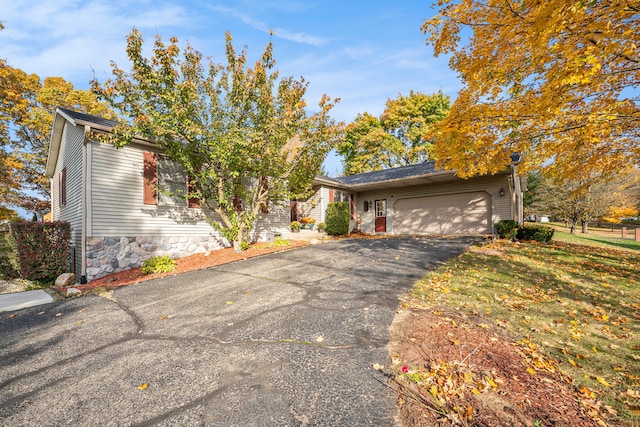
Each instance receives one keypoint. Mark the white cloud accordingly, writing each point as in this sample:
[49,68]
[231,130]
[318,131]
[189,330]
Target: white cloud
[298,37]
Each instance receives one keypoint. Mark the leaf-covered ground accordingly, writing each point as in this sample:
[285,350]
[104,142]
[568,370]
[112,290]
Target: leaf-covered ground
[522,334]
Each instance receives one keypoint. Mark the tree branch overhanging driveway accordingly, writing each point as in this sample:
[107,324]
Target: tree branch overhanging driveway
[285,339]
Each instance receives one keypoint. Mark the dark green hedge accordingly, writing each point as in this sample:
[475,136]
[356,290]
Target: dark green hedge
[510,229]
[538,233]
[42,248]
[507,228]
[337,218]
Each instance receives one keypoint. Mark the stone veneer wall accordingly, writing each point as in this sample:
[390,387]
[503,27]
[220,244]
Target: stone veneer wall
[107,255]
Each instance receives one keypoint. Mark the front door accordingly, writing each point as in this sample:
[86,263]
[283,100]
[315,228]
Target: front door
[294,210]
[381,216]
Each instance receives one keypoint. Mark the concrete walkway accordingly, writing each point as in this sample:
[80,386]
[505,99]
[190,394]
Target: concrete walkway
[287,339]
[19,300]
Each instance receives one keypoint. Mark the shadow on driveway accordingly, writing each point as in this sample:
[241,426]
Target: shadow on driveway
[285,339]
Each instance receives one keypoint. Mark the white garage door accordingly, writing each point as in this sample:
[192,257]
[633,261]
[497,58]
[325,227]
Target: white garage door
[467,213]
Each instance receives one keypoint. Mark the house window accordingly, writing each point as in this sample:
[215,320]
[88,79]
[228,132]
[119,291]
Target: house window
[172,182]
[62,187]
[340,196]
[165,182]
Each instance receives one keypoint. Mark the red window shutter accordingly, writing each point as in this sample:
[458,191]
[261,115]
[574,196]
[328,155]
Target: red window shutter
[352,207]
[265,185]
[237,203]
[62,187]
[330,196]
[193,202]
[150,178]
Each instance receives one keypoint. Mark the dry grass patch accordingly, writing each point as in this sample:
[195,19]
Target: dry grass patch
[570,314]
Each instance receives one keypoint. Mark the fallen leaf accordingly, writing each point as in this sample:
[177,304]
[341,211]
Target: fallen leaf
[58,314]
[319,339]
[41,313]
[378,367]
[531,370]
[229,302]
[79,322]
[11,316]
[491,382]
[603,381]
[143,386]
[83,310]
[164,316]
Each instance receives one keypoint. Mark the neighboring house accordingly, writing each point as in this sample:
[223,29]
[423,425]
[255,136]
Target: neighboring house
[419,200]
[118,218]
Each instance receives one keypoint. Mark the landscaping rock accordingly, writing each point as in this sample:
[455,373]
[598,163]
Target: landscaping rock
[65,279]
[73,291]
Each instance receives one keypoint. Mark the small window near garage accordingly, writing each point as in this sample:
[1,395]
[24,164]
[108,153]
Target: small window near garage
[340,196]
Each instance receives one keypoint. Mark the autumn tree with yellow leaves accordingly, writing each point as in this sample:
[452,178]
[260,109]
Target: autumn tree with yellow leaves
[26,118]
[555,80]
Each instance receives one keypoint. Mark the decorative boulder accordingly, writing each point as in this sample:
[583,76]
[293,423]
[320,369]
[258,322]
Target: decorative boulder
[73,291]
[65,279]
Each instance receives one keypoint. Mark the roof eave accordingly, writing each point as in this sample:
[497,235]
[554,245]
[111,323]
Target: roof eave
[56,139]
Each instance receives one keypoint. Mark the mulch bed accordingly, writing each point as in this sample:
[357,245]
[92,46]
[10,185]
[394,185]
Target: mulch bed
[190,263]
[420,338]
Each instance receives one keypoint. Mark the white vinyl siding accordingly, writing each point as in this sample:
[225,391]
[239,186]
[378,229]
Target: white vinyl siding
[118,209]
[70,157]
[117,203]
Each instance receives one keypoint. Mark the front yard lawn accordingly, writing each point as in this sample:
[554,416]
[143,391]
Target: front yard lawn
[571,314]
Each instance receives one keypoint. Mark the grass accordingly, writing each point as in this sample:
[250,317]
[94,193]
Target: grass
[578,307]
[598,240]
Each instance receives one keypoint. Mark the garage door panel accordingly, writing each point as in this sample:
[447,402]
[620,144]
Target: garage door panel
[466,213]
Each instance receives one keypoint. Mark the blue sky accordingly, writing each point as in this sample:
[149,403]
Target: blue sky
[362,52]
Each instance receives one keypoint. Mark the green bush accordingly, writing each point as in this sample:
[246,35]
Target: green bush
[507,228]
[158,264]
[538,233]
[338,218]
[295,226]
[42,249]
[322,226]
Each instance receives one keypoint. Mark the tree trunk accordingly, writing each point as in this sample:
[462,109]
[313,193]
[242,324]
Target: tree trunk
[585,227]
[573,228]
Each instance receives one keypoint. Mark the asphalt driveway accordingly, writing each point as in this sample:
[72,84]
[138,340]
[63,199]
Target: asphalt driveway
[286,339]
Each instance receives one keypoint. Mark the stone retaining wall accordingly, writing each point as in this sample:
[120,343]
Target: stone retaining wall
[107,255]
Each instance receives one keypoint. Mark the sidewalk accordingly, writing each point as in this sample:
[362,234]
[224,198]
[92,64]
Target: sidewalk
[308,235]
[20,300]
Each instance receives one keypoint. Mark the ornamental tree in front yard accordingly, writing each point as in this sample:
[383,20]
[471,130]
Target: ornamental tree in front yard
[242,133]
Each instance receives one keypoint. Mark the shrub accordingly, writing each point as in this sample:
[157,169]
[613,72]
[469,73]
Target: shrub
[42,249]
[538,233]
[8,264]
[295,226]
[338,218]
[322,226]
[507,228]
[158,264]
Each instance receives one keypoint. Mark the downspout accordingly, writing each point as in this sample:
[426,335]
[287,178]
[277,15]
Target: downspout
[84,213]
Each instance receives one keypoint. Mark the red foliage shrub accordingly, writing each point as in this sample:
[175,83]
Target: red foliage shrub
[43,249]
